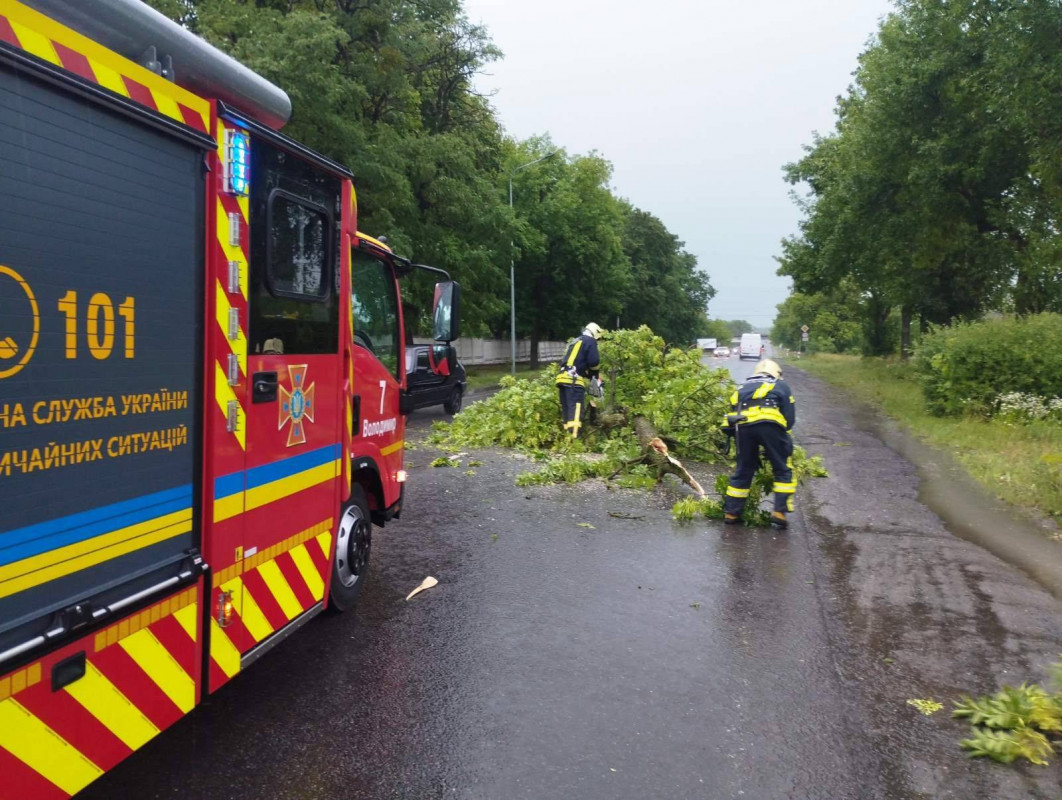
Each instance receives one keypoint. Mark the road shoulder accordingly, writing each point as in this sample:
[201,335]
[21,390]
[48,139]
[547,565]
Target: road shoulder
[915,611]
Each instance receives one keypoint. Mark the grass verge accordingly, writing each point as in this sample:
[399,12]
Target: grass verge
[488,375]
[1020,464]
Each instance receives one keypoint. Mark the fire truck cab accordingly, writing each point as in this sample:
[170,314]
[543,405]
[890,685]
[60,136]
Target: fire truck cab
[201,383]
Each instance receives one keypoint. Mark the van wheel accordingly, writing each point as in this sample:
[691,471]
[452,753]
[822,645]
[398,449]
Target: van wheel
[453,405]
[353,543]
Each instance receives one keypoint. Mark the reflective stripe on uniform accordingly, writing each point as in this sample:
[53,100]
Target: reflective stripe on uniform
[762,391]
[785,488]
[734,491]
[762,413]
[575,351]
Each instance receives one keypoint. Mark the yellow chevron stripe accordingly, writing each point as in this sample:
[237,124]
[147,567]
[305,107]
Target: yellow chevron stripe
[223,651]
[109,78]
[391,448]
[284,487]
[239,344]
[188,617]
[42,749]
[223,394]
[105,702]
[324,541]
[167,106]
[308,571]
[253,618]
[278,585]
[54,564]
[36,43]
[36,32]
[161,667]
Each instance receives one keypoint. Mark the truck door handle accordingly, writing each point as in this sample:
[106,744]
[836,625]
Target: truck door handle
[265,387]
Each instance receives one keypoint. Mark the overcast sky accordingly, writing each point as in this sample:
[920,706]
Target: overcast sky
[697,104]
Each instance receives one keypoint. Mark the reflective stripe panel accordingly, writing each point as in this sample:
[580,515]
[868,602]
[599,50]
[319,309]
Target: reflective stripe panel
[161,667]
[102,700]
[280,589]
[223,651]
[186,618]
[733,491]
[308,570]
[253,619]
[785,488]
[39,747]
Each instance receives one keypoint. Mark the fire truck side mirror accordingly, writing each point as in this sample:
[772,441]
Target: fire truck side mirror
[447,311]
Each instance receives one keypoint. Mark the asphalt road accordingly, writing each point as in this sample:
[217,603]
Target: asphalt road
[637,658]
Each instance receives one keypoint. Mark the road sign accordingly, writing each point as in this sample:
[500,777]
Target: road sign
[804,329]
[804,336]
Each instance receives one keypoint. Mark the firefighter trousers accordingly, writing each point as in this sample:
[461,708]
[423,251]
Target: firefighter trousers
[573,405]
[777,445]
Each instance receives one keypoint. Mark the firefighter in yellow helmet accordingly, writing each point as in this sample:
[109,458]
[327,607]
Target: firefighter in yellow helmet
[580,365]
[763,411]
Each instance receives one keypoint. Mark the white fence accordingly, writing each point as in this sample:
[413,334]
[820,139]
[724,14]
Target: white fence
[499,351]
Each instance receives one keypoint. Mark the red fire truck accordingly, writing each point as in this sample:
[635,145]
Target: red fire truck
[201,383]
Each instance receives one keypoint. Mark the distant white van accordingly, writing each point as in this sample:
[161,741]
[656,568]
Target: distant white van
[751,346]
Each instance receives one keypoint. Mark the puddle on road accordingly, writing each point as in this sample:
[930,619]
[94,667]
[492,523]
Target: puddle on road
[967,510]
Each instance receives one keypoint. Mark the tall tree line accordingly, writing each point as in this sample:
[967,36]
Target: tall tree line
[387,87]
[938,195]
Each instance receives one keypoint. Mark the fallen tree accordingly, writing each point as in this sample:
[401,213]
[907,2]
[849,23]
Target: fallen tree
[661,406]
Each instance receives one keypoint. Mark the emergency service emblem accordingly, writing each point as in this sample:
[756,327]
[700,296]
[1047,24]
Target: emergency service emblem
[296,406]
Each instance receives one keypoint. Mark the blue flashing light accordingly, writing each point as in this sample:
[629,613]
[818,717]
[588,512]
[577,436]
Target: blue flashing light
[237,163]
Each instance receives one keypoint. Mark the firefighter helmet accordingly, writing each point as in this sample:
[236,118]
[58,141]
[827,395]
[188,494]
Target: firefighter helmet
[768,367]
[594,330]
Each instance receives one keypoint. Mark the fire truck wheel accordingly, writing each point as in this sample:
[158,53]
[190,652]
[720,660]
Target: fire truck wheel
[353,543]
[453,405]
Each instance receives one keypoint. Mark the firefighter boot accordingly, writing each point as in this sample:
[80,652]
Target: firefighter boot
[731,519]
[778,520]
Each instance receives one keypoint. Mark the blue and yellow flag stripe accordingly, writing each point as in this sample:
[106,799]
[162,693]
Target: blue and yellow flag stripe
[39,553]
[249,489]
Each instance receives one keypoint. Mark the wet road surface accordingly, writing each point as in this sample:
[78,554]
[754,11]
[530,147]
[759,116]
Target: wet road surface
[637,658]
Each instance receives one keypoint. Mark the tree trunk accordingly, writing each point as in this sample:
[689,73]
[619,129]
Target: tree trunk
[656,455]
[905,332]
[876,335]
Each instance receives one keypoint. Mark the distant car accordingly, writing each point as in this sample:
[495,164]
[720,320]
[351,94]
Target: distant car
[721,352]
[428,385]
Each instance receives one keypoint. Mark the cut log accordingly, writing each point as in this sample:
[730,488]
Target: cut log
[656,455]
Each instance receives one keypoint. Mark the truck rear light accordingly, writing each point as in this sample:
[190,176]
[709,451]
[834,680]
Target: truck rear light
[226,609]
[400,476]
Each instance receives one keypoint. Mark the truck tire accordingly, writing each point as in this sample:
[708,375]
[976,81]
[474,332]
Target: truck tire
[353,544]
[453,405]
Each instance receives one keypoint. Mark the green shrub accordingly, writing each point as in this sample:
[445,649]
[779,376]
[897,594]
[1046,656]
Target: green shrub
[964,367]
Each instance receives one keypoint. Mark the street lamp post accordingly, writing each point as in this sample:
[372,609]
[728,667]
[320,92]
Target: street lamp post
[512,261]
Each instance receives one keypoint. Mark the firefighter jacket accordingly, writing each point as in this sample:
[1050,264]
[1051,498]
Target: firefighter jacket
[580,362]
[763,399]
